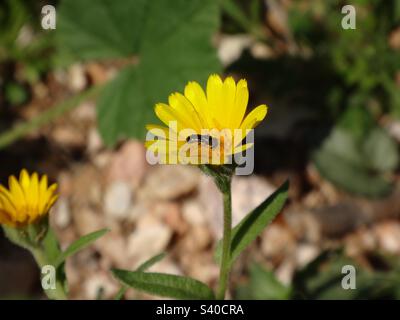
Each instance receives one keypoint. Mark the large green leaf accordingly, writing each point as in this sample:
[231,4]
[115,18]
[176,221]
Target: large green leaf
[165,285]
[255,222]
[172,40]
[98,29]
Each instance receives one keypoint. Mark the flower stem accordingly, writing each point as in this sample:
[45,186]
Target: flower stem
[226,243]
[19,130]
[41,258]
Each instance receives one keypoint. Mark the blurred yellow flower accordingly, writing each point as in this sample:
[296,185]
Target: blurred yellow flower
[26,200]
[214,120]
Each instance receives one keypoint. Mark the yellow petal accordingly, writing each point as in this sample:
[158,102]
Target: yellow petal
[195,94]
[8,207]
[5,219]
[51,202]
[227,110]
[42,194]
[24,179]
[241,101]
[50,198]
[254,117]
[214,97]
[167,114]
[33,203]
[243,147]
[186,110]
[18,197]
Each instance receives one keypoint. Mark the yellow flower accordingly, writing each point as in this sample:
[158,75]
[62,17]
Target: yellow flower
[26,200]
[214,120]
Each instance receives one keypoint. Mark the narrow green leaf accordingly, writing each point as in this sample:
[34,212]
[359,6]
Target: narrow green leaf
[255,222]
[165,285]
[263,285]
[51,247]
[152,261]
[143,267]
[80,244]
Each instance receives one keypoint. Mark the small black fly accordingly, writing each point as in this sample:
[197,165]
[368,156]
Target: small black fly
[205,139]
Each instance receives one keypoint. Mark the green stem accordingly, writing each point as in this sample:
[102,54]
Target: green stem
[41,258]
[232,9]
[226,243]
[121,292]
[22,129]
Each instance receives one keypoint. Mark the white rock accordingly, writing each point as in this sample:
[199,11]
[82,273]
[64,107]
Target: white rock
[201,266]
[87,221]
[166,265]
[247,194]
[112,246]
[197,239]
[99,281]
[360,241]
[136,211]
[211,200]
[118,199]
[231,47]
[102,159]
[85,112]
[305,253]
[128,164]
[169,182]
[285,271]
[260,50]
[193,213]
[388,235]
[76,77]
[94,141]
[62,213]
[147,240]
[276,240]
[68,136]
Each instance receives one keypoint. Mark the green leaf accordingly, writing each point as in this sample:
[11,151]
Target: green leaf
[357,167]
[381,150]
[255,222]
[322,279]
[98,29]
[263,285]
[51,247]
[171,39]
[13,235]
[79,244]
[152,261]
[165,285]
[143,267]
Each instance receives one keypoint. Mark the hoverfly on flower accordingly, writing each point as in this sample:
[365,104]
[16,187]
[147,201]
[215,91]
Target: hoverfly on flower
[205,127]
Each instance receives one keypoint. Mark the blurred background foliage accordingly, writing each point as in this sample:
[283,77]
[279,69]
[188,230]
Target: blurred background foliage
[334,94]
